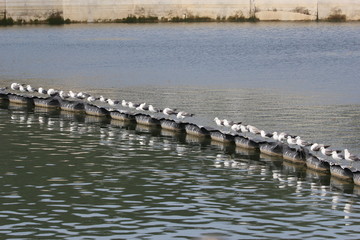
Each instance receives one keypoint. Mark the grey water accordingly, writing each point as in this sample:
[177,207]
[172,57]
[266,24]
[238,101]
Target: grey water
[73,176]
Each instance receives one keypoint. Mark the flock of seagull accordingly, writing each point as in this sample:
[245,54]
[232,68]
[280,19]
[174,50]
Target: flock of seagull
[235,126]
[289,139]
[85,96]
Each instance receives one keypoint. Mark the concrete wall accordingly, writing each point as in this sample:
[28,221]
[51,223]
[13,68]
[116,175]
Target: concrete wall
[286,10]
[2,8]
[107,10]
[32,9]
[97,10]
[351,8]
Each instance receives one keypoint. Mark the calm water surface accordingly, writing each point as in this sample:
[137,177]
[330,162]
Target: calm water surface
[74,176]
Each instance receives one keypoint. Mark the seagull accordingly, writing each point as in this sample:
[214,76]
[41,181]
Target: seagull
[72,94]
[22,88]
[283,136]
[91,99]
[301,142]
[63,95]
[102,99]
[276,136]
[349,156]
[253,129]
[336,156]
[236,127]
[124,103]
[30,89]
[219,122]
[42,91]
[169,111]
[227,123]
[82,95]
[182,115]
[15,86]
[316,146]
[112,102]
[142,107]
[291,140]
[133,105]
[266,135]
[51,92]
[328,152]
[152,109]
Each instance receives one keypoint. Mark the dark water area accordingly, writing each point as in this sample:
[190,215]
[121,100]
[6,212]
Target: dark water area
[73,176]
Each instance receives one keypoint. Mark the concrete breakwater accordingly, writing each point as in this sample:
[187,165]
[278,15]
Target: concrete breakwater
[164,10]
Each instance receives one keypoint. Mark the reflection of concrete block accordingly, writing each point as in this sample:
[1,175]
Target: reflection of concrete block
[349,8]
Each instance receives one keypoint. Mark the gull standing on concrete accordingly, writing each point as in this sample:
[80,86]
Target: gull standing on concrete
[219,122]
[266,135]
[348,156]
[169,111]
[153,109]
[182,115]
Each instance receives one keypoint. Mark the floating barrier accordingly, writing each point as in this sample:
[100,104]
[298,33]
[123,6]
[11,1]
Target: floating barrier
[272,148]
[72,106]
[296,155]
[195,133]
[344,174]
[196,130]
[94,110]
[317,164]
[19,99]
[245,142]
[3,96]
[172,125]
[122,116]
[145,119]
[222,137]
[46,102]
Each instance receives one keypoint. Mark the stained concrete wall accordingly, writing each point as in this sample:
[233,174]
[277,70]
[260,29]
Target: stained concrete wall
[2,8]
[286,10]
[32,9]
[108,10]
[351,8]
[97,10]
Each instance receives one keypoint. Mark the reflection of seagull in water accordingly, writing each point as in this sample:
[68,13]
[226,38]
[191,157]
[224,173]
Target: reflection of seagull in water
[169,111]
[182,115]
[219,122]
[349,156]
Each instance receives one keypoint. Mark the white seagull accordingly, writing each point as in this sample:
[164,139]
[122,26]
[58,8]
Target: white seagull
[72,94]
[153,109]
[142,107]
[266,135]
[316,147]
[349,156]
[112,102]
[102,99]
[133,105]
[219,122]
[253,129]
[182,115]
[169,111]
[15,86]
[291,140]
[301,142]
[124,103]
[336,156]
[30,89]
[42,91]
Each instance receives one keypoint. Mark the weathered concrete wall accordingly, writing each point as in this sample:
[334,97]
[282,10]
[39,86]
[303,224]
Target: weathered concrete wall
[2,8]
[97,10]
[32,9]
[351,8]
[109,10]
[286,10]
